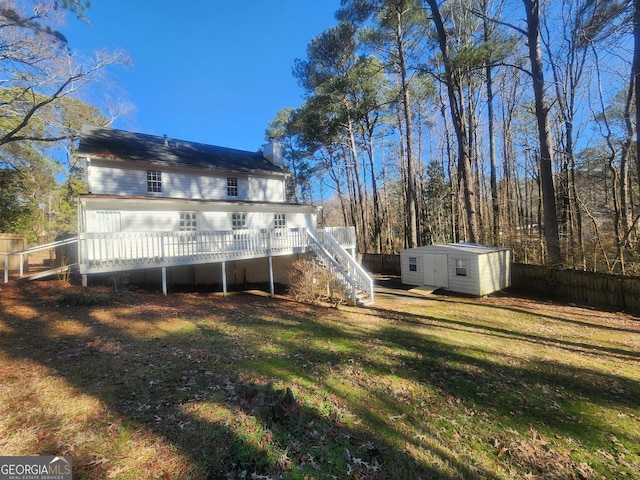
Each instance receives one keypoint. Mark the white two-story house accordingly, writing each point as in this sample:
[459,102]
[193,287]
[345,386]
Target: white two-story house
[176,211]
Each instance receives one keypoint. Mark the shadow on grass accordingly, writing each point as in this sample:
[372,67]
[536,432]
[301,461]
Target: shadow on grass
[189,382]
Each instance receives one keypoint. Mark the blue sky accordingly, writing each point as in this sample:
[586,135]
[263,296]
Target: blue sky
[209,71]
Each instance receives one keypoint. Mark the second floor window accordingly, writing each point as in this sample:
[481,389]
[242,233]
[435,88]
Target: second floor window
[154,181]
[232,186]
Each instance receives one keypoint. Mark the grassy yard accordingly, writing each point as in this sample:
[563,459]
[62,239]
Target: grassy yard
[195,385]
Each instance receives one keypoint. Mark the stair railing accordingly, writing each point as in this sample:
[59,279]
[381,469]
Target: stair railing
[22,253]
[333,266]
[353,268]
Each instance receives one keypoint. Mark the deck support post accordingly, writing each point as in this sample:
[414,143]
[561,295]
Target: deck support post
[271,288]
[85,281]
[224,278]
[164,280]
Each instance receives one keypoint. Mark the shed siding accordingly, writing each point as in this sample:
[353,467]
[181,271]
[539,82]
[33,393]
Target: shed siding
[489,269]
[408,277]
[494,272]
[470,283]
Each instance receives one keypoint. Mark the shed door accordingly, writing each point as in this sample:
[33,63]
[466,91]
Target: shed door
[436,271]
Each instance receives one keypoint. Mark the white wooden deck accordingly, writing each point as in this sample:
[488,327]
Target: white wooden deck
[122,251]
[112,252]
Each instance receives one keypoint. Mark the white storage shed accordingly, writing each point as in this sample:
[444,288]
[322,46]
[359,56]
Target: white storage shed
[458,267]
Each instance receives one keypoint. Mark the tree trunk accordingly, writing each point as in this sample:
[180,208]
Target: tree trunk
[551,235]
[412,212]
[495,202]
[458,116]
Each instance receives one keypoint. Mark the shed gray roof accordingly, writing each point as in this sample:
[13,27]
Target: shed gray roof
[461,247]
[122,144]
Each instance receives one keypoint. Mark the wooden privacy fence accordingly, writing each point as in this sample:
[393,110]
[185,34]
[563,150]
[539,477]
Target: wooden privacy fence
[383,264]
[11,243]
[586,288]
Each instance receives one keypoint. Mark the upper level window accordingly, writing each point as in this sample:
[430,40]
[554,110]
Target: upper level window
[461,267]
[232,186]
[154,181]
[238,221]
[413,264]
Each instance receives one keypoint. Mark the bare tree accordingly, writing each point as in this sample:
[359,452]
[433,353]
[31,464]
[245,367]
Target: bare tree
[38,71]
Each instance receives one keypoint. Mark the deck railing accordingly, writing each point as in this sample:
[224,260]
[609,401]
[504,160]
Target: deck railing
[101,252]
[345,236]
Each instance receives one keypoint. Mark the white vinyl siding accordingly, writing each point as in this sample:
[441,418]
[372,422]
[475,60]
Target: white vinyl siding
[411,277]
[266,189]
[108,221]
[468,283]
[152,217]
[111,178]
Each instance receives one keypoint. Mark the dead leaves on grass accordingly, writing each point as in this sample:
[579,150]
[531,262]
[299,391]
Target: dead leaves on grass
[540,458]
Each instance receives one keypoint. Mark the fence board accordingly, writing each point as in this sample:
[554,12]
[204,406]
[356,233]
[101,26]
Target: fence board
[588,288]
[11,243]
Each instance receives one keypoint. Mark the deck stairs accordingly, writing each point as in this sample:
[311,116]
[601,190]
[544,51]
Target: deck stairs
[331,255]
[56,270]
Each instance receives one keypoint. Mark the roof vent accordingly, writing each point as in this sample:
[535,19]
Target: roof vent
[166,140]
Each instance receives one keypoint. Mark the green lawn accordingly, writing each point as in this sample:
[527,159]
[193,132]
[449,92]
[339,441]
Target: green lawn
[195,385]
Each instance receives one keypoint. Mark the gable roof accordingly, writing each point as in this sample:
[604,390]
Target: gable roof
[140,147]
[461,247]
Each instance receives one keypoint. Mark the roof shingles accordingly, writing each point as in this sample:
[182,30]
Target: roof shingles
[108,142]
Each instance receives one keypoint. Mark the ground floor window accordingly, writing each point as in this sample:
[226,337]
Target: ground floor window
[108,221]
[462,267]
[280,220]
[188,223]
[238,221]
[413,264]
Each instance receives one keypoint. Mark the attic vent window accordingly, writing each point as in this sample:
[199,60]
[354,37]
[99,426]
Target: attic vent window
[154,181]
[232,187]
